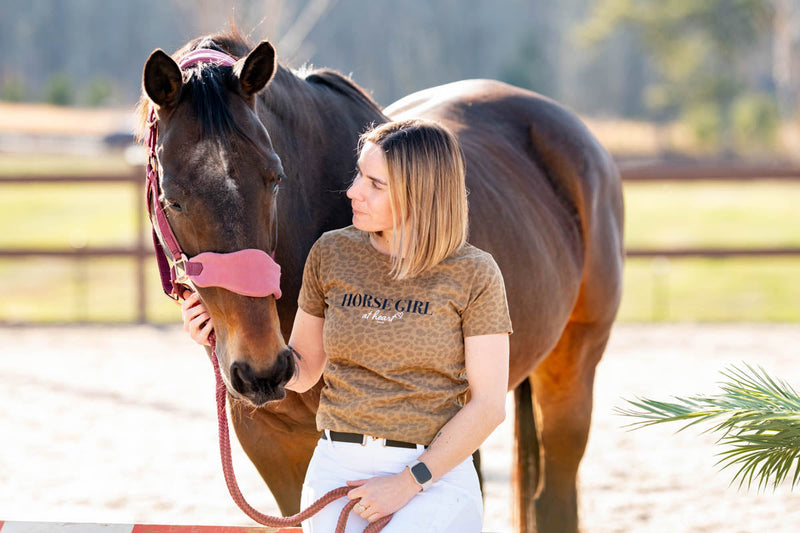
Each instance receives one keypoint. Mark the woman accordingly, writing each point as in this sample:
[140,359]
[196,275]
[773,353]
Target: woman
[406,320]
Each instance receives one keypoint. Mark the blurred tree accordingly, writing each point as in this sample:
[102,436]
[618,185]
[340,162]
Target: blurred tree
[698,50]
[99,92]
[390,48]
[531,67]
[785,57]
[13,89]
[755,121]
[59,90]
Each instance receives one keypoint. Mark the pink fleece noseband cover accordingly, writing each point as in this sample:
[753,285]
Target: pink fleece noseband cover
[249,272]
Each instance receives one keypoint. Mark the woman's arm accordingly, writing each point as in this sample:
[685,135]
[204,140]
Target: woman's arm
[487,374]
[306,339]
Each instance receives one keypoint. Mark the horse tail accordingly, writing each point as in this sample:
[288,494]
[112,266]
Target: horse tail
[527,477]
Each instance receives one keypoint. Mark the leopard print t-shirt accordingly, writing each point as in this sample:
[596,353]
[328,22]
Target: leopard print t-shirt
[396,348]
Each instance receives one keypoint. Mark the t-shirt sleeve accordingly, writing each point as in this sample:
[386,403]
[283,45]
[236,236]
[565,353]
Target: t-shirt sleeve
[487,309]
[312,295]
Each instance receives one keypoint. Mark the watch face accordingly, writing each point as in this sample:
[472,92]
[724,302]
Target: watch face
[421,473]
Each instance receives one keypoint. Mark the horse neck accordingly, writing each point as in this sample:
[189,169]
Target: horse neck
[314,129]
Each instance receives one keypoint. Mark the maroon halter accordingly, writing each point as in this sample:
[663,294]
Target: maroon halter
[250,272]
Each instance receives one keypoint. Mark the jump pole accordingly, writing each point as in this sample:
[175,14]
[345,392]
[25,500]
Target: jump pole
[68,527]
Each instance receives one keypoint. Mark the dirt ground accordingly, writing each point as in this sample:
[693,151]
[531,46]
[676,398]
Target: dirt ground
[118,425]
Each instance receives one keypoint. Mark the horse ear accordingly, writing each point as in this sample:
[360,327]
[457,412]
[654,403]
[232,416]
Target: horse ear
[162,79]
[255,70]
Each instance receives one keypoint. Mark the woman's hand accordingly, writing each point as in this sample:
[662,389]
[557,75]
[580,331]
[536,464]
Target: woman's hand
[196,320]
[384,495]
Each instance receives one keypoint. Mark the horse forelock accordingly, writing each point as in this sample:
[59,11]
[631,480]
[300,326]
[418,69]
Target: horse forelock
[205,89]
[232,43]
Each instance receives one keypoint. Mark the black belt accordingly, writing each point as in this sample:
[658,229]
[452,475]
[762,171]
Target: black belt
[358,438]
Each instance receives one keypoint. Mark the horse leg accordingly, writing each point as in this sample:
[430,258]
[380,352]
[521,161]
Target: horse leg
[563,385]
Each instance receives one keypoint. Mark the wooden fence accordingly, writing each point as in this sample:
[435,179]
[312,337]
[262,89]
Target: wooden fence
[689,171]
[642,170]
[141,252]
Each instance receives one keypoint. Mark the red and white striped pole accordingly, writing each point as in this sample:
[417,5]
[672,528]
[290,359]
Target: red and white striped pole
[66,527]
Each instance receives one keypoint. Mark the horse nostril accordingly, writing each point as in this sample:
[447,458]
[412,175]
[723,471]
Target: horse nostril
[241,377]
[261,387]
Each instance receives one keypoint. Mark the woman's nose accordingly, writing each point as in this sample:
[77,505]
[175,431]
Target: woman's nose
[352,191]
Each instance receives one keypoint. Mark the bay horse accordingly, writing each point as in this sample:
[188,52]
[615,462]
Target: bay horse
[545,200]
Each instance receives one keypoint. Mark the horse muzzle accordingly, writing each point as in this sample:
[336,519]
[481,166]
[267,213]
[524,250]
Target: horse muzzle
[262,387]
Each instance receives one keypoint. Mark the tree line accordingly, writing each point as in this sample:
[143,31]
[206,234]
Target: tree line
[724,66]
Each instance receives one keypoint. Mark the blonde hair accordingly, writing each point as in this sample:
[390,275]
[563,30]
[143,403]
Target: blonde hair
[426,189]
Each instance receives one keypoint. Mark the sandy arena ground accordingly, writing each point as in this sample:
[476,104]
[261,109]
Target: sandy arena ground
[118,425]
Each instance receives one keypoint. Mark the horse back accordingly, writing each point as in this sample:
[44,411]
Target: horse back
[545,201]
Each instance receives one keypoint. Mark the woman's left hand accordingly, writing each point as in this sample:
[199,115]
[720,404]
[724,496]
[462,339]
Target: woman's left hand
[382,496]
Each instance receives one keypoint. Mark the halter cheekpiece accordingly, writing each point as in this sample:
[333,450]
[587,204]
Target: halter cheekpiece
[249,272]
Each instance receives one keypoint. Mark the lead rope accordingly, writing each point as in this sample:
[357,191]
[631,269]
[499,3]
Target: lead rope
[233,487]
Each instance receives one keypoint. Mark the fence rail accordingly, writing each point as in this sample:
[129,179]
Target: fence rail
[708,170]
[705,170]
[631,171]
[140,252]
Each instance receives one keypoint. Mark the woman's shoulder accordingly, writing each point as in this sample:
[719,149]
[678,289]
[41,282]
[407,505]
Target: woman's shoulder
[473,256]
[349,235]
[471,265]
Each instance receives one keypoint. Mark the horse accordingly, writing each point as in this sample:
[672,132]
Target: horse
[255,155]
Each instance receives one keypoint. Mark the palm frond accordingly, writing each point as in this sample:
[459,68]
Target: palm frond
[758,417]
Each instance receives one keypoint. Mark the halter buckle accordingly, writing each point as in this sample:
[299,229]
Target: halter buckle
[181,270]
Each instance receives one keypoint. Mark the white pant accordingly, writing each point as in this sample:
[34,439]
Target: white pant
[452,504]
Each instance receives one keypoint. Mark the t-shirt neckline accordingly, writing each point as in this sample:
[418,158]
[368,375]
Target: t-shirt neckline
[366,242]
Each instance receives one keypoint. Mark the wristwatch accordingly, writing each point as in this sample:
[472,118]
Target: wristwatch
[421,474]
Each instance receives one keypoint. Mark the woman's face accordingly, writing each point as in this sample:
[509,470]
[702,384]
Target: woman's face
[369,193]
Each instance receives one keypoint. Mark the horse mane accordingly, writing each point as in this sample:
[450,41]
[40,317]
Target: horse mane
[344,85]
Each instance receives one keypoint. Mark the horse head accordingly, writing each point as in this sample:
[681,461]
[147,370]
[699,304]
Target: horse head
[218,178]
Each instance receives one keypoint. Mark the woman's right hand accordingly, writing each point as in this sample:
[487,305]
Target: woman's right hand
[196,320]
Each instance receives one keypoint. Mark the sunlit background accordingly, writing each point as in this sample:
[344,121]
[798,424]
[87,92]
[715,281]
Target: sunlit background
[678,90]
[696,100]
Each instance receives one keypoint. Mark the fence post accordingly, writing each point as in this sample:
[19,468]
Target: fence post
[141,252]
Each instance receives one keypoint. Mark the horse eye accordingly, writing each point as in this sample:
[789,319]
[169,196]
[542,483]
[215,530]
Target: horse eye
[277,182]
[175,206]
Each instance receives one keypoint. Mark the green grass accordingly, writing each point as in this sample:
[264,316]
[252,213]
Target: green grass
[720,214]
[711,290]
[657,215]
[74,215]
[63,290]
